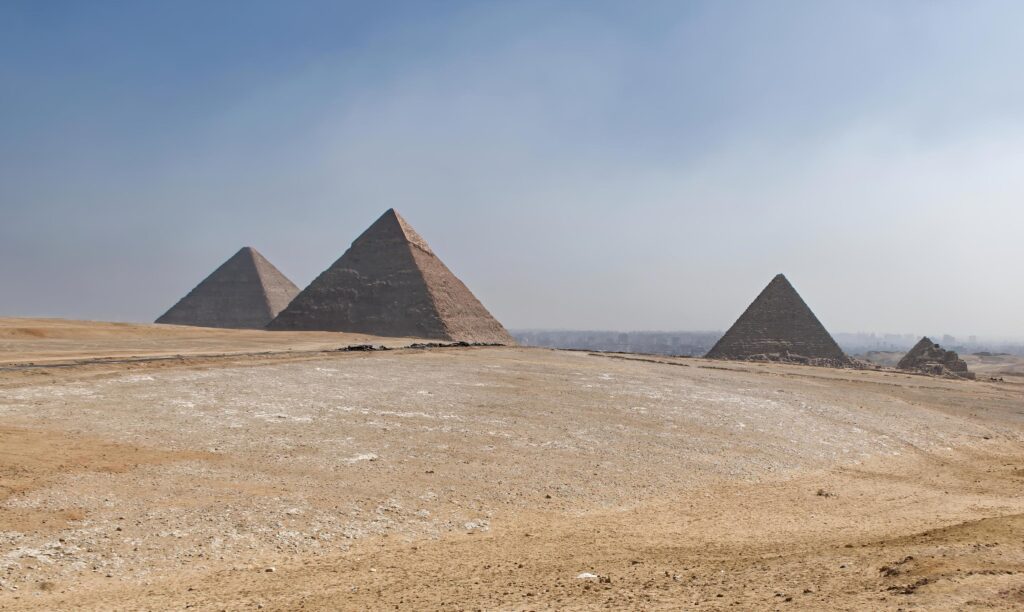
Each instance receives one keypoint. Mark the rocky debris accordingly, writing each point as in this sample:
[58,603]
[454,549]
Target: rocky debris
[910,589]
[245,292]
[786,357]
[390,283]
[895,569]
[929,358]
[430,345]
[779,326]
[414,345]
[363,347]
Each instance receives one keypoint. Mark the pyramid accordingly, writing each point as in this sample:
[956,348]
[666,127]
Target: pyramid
[928,357]
[390,283]
[778,325]
[245,292]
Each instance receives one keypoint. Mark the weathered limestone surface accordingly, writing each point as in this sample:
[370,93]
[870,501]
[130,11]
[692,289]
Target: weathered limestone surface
[930,358]
[390,283]
[779,326]
[245,292]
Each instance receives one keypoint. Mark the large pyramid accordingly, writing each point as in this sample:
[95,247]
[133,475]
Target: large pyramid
[245,292]
[779,325]
[389,283]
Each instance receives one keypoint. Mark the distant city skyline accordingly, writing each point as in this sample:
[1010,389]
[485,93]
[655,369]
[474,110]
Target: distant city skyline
[904,337]
[598,165]
[698,343]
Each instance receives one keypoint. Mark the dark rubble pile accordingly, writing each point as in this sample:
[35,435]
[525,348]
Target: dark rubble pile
[929,358]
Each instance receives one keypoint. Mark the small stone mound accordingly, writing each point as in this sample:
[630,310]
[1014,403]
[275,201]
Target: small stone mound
[791,358]
[929,358]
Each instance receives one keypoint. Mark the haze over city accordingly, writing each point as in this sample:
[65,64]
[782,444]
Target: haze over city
[579,165]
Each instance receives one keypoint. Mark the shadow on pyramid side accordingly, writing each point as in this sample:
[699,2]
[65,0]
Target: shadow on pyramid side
[245,292]
[779,326]
[390,283]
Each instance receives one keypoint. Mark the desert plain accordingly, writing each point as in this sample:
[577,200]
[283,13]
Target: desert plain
[148,467]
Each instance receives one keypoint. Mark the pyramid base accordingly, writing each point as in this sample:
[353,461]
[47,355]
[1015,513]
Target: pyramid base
[790,358]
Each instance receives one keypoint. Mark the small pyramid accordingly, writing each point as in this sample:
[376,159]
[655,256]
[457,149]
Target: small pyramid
[245,292]
[778,325]
[930,358]
[390,283]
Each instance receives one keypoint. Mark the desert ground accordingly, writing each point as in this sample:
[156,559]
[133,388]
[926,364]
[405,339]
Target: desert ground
[151,467]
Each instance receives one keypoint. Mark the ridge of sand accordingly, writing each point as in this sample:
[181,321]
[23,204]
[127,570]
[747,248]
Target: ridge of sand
[39,340]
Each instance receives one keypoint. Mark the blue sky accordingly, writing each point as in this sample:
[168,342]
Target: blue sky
[579,164]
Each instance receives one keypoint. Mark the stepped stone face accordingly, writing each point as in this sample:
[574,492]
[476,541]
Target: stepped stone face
[390,283]
[779,326]
[930,358]
[245,292]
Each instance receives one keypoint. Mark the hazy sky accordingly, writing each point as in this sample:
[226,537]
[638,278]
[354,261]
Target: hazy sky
[615,165]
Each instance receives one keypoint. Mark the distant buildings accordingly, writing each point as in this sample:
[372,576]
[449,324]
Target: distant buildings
[696,344]
[688,344]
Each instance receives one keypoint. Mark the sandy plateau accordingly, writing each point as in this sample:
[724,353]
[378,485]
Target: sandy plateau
[151,467]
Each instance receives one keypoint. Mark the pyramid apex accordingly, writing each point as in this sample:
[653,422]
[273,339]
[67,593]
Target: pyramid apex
[390,216]
[391,221]
[394,215]
[252,255]
[778,283]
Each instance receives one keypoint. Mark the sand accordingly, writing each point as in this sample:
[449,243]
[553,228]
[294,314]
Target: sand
[67,342]
[269,470]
